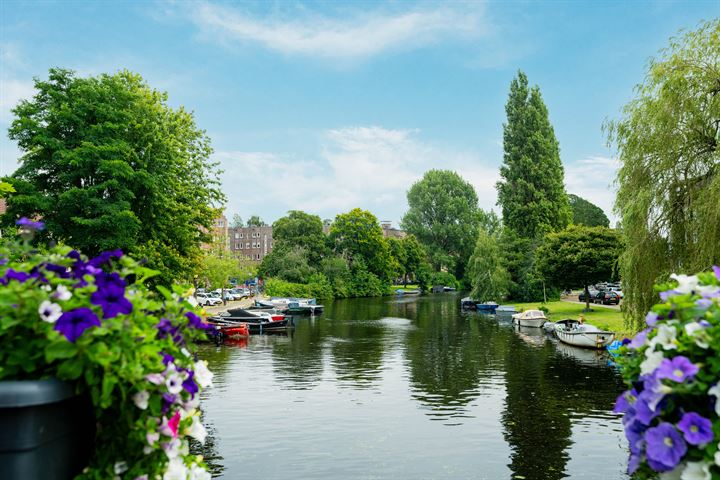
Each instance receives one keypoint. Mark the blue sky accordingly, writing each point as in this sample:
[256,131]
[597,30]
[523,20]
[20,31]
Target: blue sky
[327,106]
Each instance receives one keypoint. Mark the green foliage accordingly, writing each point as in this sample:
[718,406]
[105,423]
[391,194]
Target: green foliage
[110,360]
[237,221]
[445,279]
[444,216]
[669,180]
[255,221]
[318,286]
[531,192]
[357,235]
[215,272]
[488,277]
[674,365]
[544,308]
[518,259]
[299,229]
[586,213]
[367,284]
[337,271]
[287,263]
[108,164]
[579,256]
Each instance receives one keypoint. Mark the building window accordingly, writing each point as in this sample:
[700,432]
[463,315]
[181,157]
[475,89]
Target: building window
[237,235]
[247,245]
[241,235]
[238,245]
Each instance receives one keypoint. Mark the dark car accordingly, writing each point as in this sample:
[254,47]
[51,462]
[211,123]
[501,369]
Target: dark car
[607,298]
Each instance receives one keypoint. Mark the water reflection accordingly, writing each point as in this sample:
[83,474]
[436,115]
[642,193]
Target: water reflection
[410,388]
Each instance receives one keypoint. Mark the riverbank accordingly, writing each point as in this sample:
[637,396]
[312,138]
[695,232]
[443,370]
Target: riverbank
[602,316]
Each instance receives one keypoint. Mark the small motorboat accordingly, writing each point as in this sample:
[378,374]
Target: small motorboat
[468,303]
[505,309]
[530,318]
[258,321]
[583,335]
[403,292]
[549,327]
[486,307]
[303,306]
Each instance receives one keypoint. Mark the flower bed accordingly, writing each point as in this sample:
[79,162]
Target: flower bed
[672,368]
[94,323]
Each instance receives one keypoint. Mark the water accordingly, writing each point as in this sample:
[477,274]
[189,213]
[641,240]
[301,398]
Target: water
[411,389]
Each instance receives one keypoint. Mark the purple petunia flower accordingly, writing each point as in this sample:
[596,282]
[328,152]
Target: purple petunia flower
[624,401]
[667,294]
[11,274]
[634,431]
[59,270]
[703,303]
[167,358]
[105,257]
[72,324]
[167,400]
[696,429]
[651,319]
[633,463]
[665,447]
[642,411]
[653,391]
[189,384]
[639,339]
[29,224]
[705,323]
[112,300]
[678,369]
[196,322]
[166,328]
[716,270]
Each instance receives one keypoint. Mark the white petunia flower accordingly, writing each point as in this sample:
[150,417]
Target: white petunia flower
[197,430]
[176,470]
[652,361]
[173,382]
[686,283]
[666,336]
[172,448]
[198,473]
[715,392]
[50,312]
[141,399]
[696,471]
[120,467]
[673,474]
[62,293]
[717,456]
[202,374]
[698,334]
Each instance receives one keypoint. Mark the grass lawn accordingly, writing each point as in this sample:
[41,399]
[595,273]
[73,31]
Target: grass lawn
[409,287]
[601,316]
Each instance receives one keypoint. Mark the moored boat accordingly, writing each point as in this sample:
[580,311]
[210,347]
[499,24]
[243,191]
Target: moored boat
[486,307]
[468,303]
[530,318]
[583,335]
[258,321]
[505,309]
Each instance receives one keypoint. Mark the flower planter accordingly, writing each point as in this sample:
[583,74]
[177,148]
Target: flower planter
[47,431]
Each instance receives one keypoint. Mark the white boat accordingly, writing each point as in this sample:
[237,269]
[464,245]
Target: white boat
[549,327]
[506,309]
[584,335]
[530,318]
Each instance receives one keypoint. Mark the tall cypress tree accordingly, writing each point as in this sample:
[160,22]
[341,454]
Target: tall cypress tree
[531,192]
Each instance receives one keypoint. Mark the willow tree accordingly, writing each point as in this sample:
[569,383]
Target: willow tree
[669,180]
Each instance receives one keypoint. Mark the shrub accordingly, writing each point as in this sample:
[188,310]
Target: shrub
[672,405]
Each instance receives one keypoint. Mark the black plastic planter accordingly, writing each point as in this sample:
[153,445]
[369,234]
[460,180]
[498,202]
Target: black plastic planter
[46,431]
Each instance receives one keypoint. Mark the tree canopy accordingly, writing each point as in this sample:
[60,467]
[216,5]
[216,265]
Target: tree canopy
[237,221]
[489,279]
[579,256]
[255,221]
[531,191]
[443,214]
[300,229]
[668,143]
[108,164]
[586,213]
[357,235]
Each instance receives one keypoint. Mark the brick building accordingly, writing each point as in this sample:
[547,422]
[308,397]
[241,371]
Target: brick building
[250,243]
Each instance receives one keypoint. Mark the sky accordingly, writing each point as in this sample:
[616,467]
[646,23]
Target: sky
[329,106]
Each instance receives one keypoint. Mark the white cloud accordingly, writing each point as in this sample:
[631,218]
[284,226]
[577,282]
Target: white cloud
[11,92]
[593,179]
[367,167]
[365,35]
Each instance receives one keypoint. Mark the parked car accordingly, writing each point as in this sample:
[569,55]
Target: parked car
[593,292]
[205,299]
[607,298]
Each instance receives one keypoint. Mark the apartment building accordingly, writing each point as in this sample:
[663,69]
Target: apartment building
[250,243]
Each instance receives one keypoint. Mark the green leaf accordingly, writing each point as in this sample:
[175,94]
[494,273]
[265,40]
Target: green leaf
[60,348]
[70,369]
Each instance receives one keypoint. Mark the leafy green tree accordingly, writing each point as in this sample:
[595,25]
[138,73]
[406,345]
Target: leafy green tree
[287,263]
[215,272]
[237,221]
[337,271]
[579,256]
[357,235]
[531,192]
[299,229]
[414,257]
[489,279]
[669,181]
[518,258]
[444,216]
[108,164]
[398,257]
[255,221]
[586,213]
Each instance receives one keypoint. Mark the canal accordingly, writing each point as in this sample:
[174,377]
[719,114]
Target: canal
[410,388]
